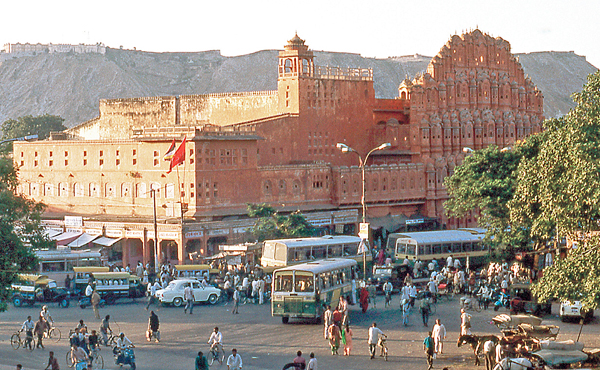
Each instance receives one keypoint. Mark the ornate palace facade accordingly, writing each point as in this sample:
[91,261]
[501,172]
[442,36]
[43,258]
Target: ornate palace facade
[279,147]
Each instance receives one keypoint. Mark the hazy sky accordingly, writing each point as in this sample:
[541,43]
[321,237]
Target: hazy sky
[375,28]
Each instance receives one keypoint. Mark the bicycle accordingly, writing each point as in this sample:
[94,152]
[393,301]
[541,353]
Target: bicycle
[381,343]
[388,298]
[53,334]
[97,360]
[16,341]
[216,354]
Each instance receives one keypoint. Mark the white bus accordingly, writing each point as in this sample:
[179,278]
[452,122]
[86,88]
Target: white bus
[429,245]
[56,264]
[300,291]
[287,252]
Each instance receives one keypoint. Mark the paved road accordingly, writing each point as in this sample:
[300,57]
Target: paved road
[263,341]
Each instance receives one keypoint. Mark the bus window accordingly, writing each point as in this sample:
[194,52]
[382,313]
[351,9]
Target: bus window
[446,248]
[401,248]
[334,278]
[468,247]
[410,249]
[437,249]
[351,249]
[335,251]
[306,254]
[281,253]
[427,249]
[456,247]
[421,250]
[283,281]
[327,280]
[319,252]
[304,282]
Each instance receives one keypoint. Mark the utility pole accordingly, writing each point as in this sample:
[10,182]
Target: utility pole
[156,266]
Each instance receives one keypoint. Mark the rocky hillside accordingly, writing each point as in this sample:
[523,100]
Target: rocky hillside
[70,85]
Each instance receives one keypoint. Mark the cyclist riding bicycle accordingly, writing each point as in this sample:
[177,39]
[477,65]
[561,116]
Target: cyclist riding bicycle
[216,340]
[79,357]
[105,329]
[387,290]
[47,318]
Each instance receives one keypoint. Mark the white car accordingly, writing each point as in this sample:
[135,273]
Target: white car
[173,293]
[574,310]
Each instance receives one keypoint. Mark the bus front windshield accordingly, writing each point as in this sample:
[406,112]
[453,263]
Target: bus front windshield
[304,282]
[283,281]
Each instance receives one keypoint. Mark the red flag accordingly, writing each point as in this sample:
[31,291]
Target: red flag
[179,156]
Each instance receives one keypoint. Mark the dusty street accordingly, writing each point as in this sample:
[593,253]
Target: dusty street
[263,341]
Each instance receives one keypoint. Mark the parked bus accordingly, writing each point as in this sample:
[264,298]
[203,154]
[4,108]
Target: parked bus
[429,245]
[56,264]
[82,276]
[194,271]
[300,291]
[288,252]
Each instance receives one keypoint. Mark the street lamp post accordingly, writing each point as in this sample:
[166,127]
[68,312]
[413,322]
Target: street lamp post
[362,162]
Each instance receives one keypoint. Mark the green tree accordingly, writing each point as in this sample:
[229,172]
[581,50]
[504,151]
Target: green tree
[19,225]
[558,194]
[271,225]
[485,183]
[30,125]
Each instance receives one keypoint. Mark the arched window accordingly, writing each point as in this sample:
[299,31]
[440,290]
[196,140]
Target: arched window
[288,66]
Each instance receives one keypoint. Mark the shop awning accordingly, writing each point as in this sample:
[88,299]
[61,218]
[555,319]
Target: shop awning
[51,233]
[83,240]
[67,235]
[105,241]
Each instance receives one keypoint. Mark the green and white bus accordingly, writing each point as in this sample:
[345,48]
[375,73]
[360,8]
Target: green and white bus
[300,291]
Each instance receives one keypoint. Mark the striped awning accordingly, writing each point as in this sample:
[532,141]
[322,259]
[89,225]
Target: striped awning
[105,241]
[83,240]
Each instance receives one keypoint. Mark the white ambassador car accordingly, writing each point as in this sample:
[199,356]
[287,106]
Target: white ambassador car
[574,310]
[173,293]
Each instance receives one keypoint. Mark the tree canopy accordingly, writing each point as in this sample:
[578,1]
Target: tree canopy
[543,190]
[19,224]
[271,225]
[30,125]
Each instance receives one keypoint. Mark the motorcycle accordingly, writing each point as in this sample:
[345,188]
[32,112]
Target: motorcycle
[87,301]
[124,357]
[503,300]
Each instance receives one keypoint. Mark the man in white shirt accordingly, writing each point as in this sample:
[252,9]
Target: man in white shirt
[234,362]
[449,262]
[123,343]
[216,339]
[261,291]
[188,295]
[152,297]
[465,322]
[439,334]
[374,333]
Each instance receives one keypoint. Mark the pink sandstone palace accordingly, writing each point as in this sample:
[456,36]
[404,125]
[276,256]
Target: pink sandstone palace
[279,147]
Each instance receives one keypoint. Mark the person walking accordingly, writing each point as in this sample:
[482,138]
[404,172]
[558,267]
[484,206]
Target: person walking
[425,308]
[428,347]
[188,295]
[152,294]
[439,334]
[234,361]
[374,333]
[52,362]
[334,338]
[405,311]
[201,362]
[347,339]
[372,290]
[312,362]
[465,322]
[236,301]
[95,301]
[327,320]
[39,329]
[261,291]
[153,327]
